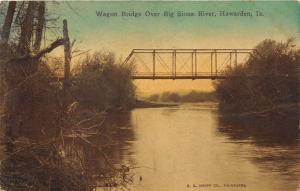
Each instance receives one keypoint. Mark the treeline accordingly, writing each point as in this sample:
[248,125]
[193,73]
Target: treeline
[190,97]
[267,80]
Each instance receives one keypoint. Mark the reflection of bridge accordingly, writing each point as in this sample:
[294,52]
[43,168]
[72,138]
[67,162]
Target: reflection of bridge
[184,63]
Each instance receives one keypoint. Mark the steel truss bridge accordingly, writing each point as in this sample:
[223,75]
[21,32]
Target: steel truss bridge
[185,63]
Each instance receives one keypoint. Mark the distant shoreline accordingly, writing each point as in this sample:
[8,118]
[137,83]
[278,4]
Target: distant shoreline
[149,104]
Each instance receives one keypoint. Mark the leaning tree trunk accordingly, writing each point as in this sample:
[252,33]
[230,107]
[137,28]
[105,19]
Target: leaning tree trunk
[40,26]
[8,21]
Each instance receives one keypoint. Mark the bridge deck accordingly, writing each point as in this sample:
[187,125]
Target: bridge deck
[208,77]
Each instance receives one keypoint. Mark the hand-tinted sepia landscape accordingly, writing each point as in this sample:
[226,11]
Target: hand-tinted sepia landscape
[151,102]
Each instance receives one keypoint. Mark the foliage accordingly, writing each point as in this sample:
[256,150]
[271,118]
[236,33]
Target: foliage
[273,67]
[101,82]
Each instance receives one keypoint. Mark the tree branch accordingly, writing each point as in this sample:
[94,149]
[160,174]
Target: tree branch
[48,49]
[52,46]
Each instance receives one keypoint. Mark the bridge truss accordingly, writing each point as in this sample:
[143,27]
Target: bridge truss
[185,63]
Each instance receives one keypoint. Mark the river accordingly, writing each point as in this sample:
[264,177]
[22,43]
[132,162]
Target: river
[189,147]
[193,147]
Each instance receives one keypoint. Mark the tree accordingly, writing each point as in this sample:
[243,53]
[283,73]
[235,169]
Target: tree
[274,65]
[8,21]
[26,29]
[40,26]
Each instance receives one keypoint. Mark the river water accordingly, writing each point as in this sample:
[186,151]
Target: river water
[193,147]
[190,147]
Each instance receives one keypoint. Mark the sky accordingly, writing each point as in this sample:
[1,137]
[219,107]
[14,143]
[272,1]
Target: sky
[122,34]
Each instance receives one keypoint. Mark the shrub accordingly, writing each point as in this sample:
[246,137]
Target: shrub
[101,82]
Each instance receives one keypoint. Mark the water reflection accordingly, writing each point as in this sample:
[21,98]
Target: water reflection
[278,130]
[275,142]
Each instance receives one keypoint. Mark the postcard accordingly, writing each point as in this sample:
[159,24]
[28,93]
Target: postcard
[149,95]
